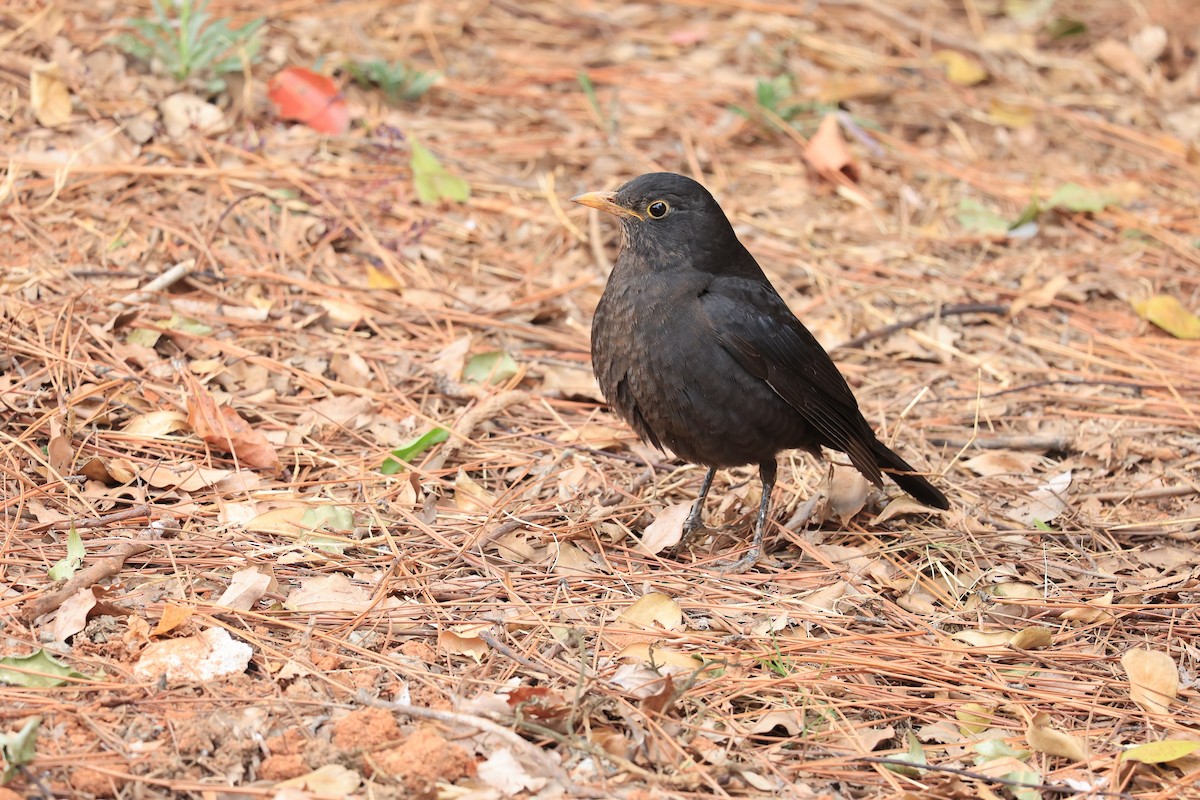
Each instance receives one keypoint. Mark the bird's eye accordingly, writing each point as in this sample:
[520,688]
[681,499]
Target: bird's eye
[658,209]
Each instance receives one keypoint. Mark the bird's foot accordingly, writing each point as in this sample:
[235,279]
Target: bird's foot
[690,530]
[740,565]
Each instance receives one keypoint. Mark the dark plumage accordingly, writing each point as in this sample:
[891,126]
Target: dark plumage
[693,346]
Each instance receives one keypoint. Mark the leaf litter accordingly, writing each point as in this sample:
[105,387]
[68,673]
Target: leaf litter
[319,408]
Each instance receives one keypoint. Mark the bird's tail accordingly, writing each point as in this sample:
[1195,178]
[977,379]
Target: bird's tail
[906,478]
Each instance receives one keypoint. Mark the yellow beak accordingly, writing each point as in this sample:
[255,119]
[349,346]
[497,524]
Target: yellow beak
[606,201]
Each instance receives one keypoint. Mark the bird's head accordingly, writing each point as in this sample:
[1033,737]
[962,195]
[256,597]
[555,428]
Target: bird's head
[669,214]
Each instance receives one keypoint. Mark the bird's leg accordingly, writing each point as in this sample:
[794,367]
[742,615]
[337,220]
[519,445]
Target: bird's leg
[693,521]
[767,471]
[694,516]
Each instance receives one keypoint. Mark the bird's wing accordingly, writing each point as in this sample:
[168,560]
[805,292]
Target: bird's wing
[754,324]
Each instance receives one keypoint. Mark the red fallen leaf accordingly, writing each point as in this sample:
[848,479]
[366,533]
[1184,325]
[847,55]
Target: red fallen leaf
[307,97]
[224,429]
[828,154]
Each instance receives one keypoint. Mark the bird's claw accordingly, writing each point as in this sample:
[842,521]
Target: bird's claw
[740,565]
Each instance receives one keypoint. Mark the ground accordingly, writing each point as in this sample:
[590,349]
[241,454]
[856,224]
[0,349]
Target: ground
[217,323]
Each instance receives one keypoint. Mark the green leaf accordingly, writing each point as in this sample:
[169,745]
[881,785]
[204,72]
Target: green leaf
[18,749]
[915,756]
[66,567]
[195,327]
[1161,752]
[974,216]
[432,181]
[38,670]
[337,518]
[1063,27]
[494,367]
[413,449]
[1074,197]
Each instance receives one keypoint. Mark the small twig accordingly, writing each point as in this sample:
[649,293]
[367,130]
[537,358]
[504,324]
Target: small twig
[166,279]
[965,773]
[944,311]
[90,522]
[108,566]
[1016,441]
[489,407]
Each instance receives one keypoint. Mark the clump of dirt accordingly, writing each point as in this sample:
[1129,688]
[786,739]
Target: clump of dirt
[421,760]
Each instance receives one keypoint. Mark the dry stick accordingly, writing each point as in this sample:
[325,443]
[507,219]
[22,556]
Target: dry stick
[91,522]
[1033,441]
[945,311]
[106,567]
[531,751]
[168,278]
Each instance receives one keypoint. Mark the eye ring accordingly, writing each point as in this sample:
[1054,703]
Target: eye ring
[658,209]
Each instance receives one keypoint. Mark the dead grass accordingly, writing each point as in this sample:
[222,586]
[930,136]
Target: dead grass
[480,593]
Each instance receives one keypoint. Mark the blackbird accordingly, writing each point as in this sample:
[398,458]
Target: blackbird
[697,351]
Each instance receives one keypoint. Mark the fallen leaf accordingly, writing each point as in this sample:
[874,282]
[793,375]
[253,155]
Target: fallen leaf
[469,496]
[432,181]
[1153,679]
[847,492]
[667,528]
[332,779]
[1044,739]
[304,96]
[1168,313]
[224,429]
[504,773]
[246,588]
[185,113]
[1163,752]
[828,154]
[960,67]
[464,641]
[654,611]
[1046,502]
[48,95]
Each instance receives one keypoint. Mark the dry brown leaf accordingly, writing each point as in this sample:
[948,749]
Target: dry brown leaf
[1044,739]
[667,528]
[1031,639]
[48,95]
[246,588]
[223,429]
[847,492]
[828,154]
[172,617]
[469,496]
[463,640]
[1153,679]
[1093,612]
[653,611]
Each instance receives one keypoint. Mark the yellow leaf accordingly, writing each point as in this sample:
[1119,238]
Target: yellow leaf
[1169,314]
[648,653]
[961,68]
[1153,679]
[1010,115]
[378,279]
[48,95]
[975,717]
[1044,739]
[1161,752]
[654,610]
[1031,639]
